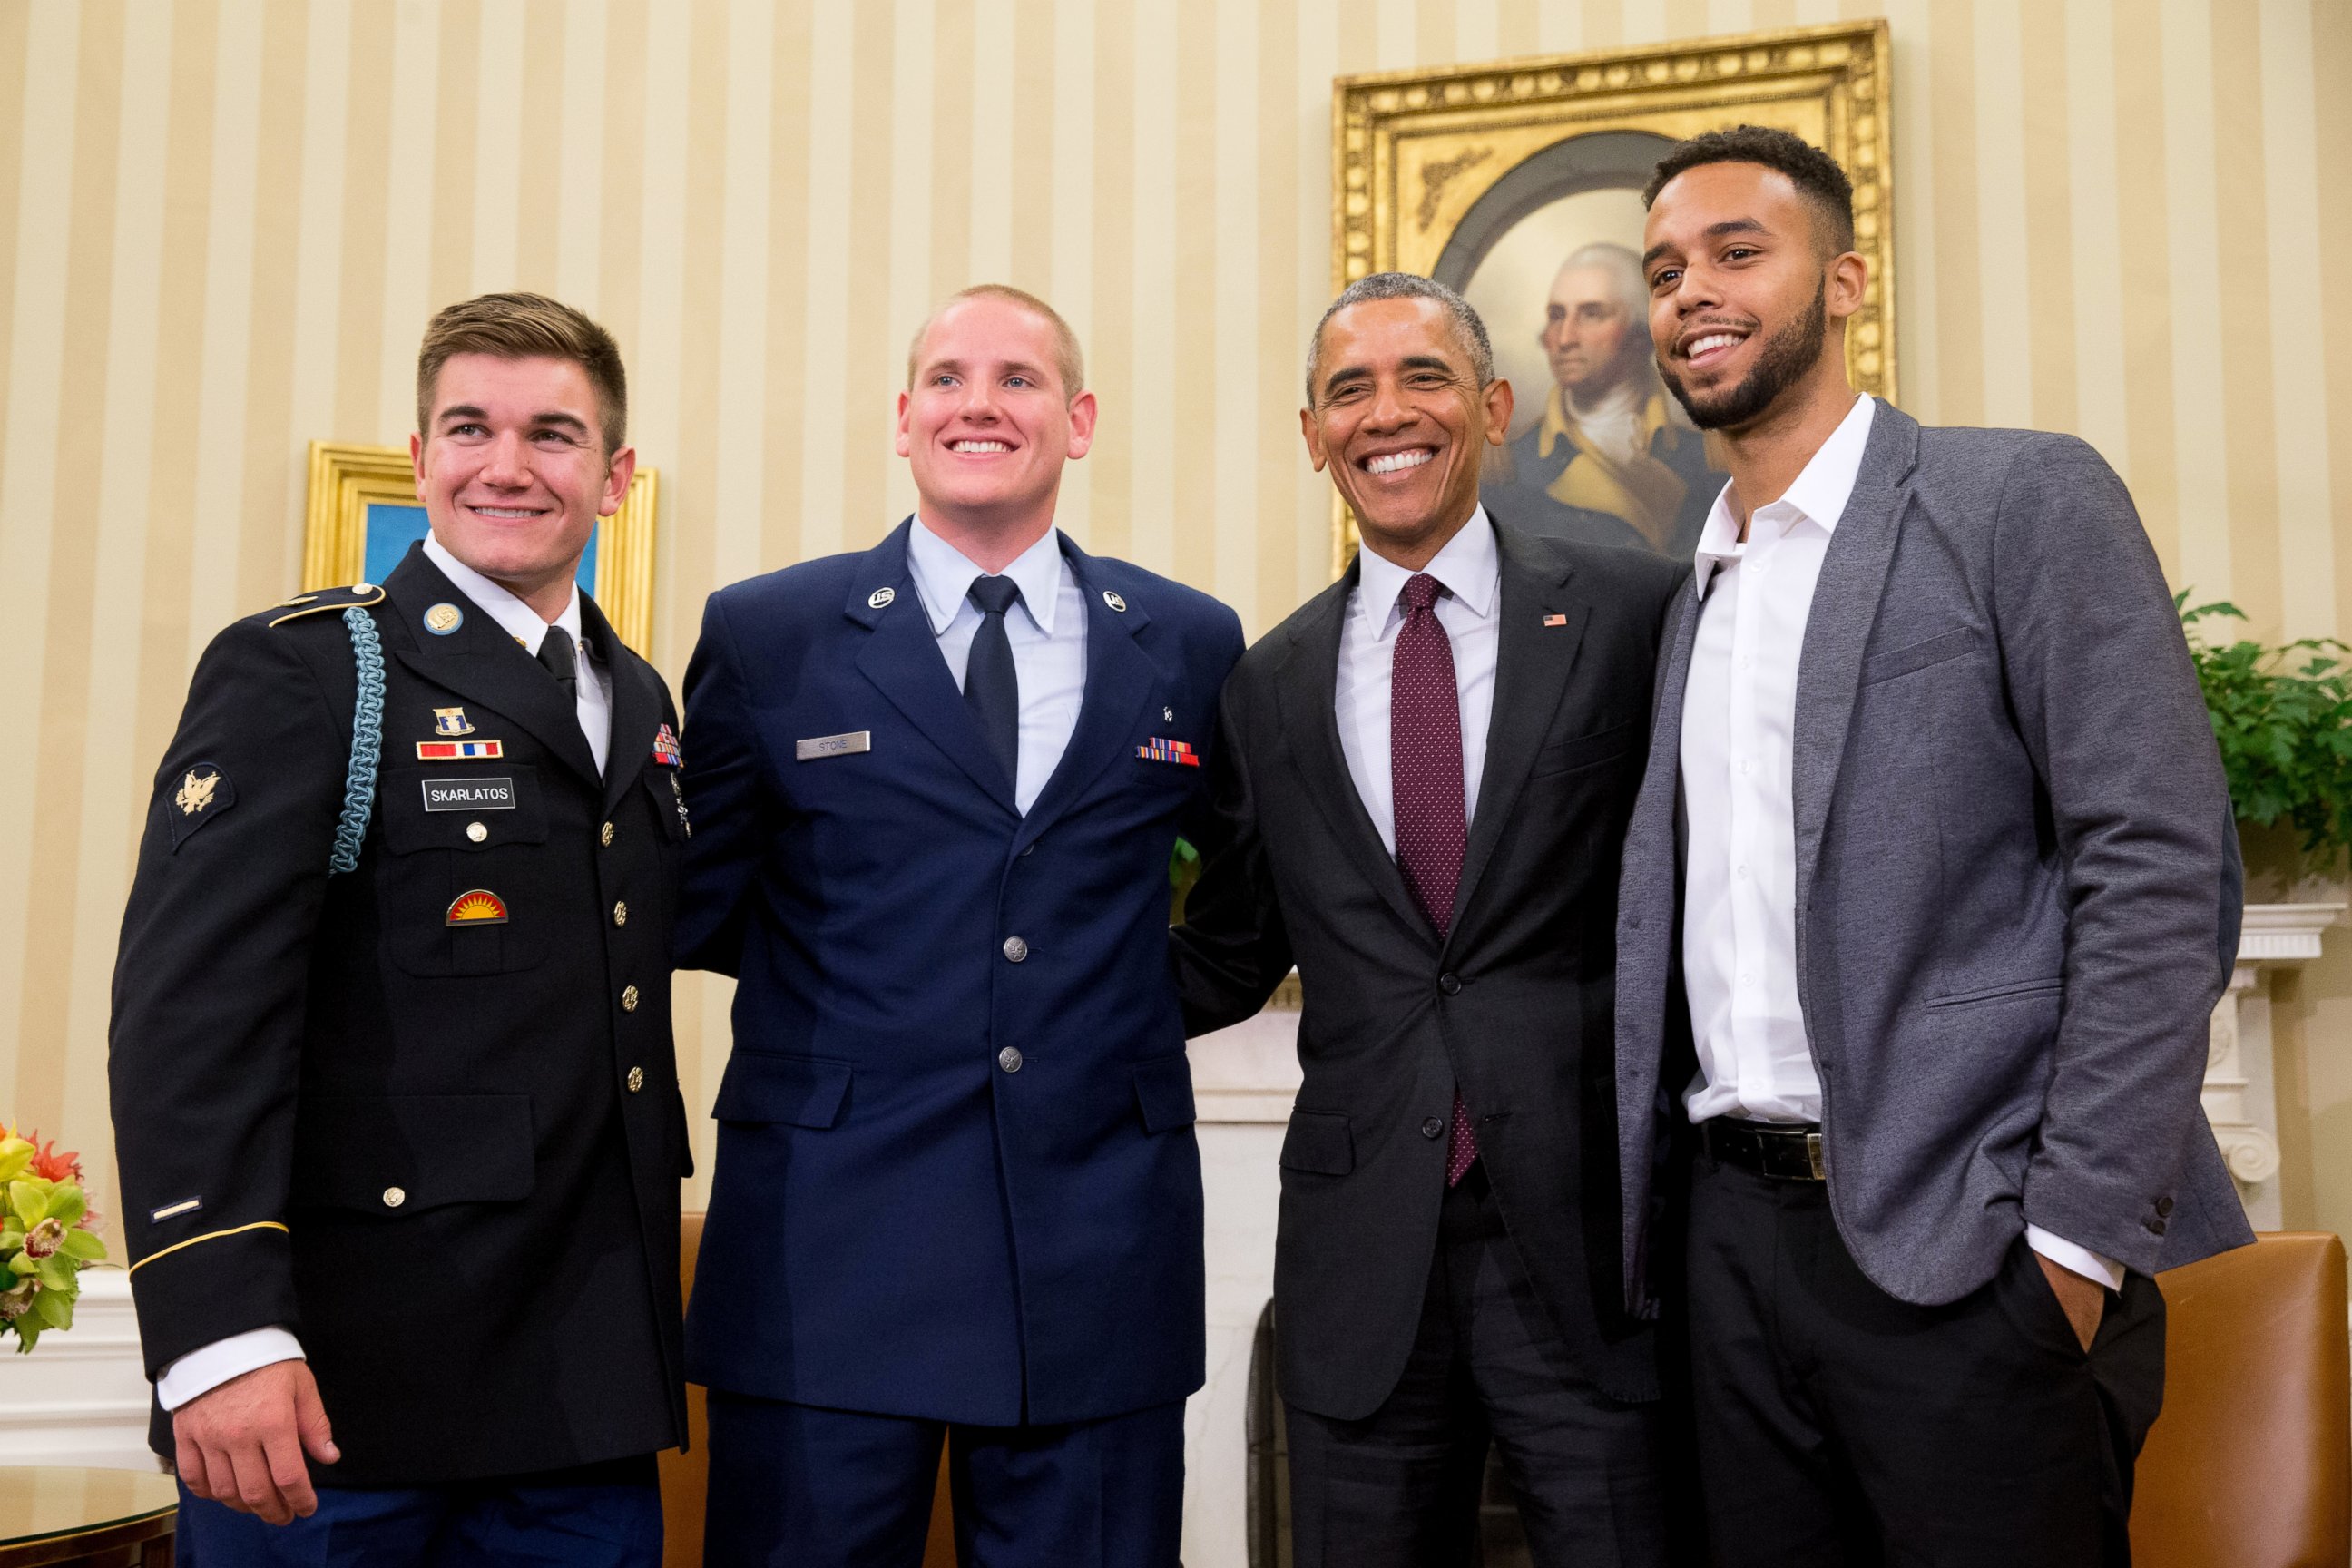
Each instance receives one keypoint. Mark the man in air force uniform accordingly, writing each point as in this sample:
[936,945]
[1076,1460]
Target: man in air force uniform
[392,1082]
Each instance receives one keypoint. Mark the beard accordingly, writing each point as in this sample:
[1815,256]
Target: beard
[1788,354]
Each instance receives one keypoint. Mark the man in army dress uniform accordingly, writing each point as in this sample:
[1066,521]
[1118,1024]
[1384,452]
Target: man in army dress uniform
[393,1088]
[1612,460]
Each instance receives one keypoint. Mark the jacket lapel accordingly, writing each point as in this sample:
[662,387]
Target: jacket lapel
[481,661]
[902,658]
[1837,630]
[1120,680]
[1532,662]
[636,703]
[1307,688]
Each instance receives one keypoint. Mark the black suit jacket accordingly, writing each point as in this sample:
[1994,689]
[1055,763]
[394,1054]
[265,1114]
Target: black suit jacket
[1515,1006]
[446,1156]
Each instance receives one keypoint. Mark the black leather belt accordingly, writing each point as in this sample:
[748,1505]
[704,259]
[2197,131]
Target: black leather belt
[1789,1153]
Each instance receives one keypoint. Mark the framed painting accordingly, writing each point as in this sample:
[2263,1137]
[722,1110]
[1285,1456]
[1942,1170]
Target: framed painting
[1518,184]
[363,515]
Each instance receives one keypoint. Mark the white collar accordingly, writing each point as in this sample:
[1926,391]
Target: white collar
[520,621]
[1819,495]
[1470,565]
[943,576]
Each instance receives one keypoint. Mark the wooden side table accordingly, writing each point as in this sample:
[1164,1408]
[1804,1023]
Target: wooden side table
[96,1518]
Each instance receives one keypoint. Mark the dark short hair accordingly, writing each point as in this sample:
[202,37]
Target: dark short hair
[1814,173]
[526,326]
[1409,286]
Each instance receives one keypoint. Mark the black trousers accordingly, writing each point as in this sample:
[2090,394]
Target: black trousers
[1399,1489]
[1840,1427]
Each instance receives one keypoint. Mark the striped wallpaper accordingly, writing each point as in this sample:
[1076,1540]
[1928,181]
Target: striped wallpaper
[223,223]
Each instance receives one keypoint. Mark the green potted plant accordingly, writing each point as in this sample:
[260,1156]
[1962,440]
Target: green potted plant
[2283,716]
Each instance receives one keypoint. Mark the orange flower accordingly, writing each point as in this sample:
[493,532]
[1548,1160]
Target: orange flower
[50,1165]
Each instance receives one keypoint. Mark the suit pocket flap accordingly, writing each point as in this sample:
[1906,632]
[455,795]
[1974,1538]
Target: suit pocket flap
[799,1091]
[1583,750]
[423,808]
[1918,656]
[1320,1142]
[398,1154]
[1163,1088]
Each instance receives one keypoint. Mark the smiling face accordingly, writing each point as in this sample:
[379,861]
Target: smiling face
[1744,294]
[1399,419]
[1591,335]
[986,425]
[512,472]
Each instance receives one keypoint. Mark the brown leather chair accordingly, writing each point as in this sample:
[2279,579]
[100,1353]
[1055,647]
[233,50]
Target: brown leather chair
[686,1476]
[2250,1465]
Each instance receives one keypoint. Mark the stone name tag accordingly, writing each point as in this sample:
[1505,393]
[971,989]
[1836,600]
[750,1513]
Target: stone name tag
[469,794]
[841,745]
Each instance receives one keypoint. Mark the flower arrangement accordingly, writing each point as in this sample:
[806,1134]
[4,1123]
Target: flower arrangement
[48,1235]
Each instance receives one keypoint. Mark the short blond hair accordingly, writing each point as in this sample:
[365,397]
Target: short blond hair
[526,326]
[1068,363]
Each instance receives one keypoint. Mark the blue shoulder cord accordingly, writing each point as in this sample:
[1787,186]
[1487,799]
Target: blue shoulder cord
[367,742]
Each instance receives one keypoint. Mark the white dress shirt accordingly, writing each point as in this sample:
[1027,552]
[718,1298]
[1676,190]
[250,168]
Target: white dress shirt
[207,1367]
[1471,568]
[1047,631]
[1740,707]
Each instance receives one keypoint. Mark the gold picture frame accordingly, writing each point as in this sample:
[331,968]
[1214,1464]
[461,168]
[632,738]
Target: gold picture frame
[348,480]
[1415,153]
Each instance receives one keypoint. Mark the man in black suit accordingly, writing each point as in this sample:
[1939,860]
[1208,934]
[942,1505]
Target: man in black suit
[392,1081]
[1421,782]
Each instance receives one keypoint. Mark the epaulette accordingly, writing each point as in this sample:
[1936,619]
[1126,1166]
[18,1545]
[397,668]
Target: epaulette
[360,594]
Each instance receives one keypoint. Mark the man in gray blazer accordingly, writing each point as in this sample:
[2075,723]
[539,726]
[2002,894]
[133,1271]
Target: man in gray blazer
[1928,891]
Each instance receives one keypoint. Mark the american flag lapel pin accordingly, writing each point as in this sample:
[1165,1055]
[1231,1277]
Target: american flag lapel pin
[1555,620]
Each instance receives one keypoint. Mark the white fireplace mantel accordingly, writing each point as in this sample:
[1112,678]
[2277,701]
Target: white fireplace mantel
[2241,1094]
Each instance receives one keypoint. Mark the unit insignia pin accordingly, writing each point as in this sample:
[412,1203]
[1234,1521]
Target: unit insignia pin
[450,721]
[476,907]
[1114,601]
[1167,715]
[443,618]
[880,598]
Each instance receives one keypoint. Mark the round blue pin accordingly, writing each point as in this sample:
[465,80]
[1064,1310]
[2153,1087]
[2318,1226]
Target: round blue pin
[443,618]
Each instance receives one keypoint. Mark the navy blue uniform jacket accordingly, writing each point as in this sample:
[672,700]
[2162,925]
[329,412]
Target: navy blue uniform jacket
[907,1217]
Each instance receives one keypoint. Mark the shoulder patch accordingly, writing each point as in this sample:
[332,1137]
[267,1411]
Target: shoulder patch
[336,599]
[203,792]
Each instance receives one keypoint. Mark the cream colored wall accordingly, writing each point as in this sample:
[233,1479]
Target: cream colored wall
[223,223]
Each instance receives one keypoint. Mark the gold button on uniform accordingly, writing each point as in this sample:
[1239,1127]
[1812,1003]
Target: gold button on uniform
[628,998]
[620,911]
[636,1080]
[393,1197]
[477,832]
[605,835]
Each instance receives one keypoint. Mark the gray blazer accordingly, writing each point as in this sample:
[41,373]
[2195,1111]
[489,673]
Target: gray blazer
[2018,885]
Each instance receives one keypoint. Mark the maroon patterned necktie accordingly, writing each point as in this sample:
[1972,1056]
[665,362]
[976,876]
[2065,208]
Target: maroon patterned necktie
[1425,779]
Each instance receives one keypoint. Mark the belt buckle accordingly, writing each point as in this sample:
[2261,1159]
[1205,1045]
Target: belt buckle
[1813,1157]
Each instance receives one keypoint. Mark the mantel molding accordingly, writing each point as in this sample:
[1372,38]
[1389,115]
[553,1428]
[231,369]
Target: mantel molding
[2284,933]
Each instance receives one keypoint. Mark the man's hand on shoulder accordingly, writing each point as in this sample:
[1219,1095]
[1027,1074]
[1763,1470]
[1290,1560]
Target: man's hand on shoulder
[242,1444]
[2083,1299]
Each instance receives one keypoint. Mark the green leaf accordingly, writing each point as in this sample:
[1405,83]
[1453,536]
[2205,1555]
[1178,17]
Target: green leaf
[55,1308]
[28,1332]
[15,1156]
[22,1265]
[56,1273]
[67,1204]
[85,1245]
[29,1197]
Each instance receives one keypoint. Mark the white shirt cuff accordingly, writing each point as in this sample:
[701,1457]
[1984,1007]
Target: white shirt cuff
[2081,1259]
[201,1370]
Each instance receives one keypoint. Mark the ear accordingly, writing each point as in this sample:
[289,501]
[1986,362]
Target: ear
[1849,279]
[617,474]
[1314,435]
[1082,424]
[906,436]
[416,463]
[1498,402]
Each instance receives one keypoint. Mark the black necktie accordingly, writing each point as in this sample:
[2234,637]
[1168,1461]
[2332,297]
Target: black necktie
[990,684]
[555,653]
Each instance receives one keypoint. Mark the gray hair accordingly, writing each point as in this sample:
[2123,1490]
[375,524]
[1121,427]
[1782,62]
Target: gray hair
[1409,286]
[1624,270]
